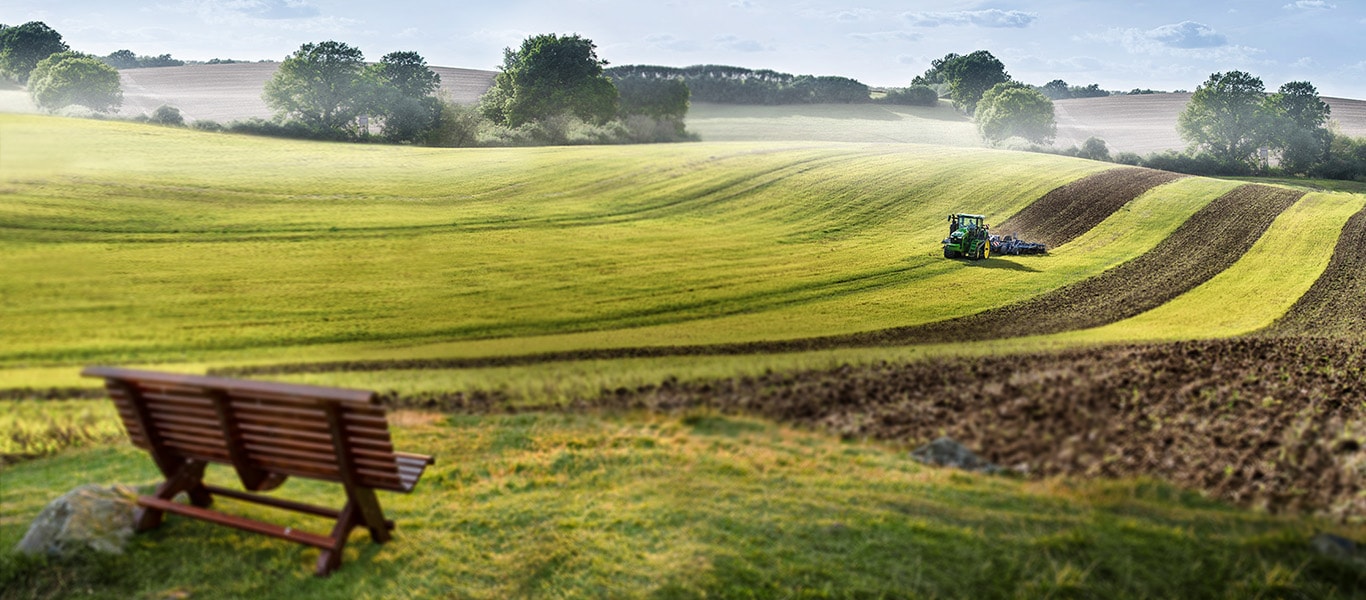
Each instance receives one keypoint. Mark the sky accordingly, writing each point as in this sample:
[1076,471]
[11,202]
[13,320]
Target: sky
[1163,45]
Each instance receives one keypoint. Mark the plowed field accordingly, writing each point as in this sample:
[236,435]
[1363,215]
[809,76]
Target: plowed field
[1073,209]
[1209,242]
[1271,422]
[1336,303]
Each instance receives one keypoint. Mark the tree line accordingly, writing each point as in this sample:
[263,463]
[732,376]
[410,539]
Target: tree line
[722,84]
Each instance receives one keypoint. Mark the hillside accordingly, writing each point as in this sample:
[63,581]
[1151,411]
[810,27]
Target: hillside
[231,92]
[1146,123]
[694,370]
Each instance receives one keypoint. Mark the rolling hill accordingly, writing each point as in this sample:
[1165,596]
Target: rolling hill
[611,334]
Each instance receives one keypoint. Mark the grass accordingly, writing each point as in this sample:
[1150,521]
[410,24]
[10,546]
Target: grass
[692,505]
[30,429]
[1260,287]
[122,254]
[939,125]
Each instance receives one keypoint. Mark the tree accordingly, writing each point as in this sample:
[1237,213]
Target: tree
[167,115]
[122,59]
[322,85]
[1012,109]
[403,95]
[551,75]
[1226,117]
[406,73]
[1297,132]
[22,47]
[968,77]
[68,78]
[1056,90]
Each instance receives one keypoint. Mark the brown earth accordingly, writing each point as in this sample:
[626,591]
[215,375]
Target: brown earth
[1268,422]
[1336,303]
[1065,213]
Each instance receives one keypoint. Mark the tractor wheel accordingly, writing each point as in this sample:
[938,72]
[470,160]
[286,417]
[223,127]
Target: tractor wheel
[986,250]
[949,253]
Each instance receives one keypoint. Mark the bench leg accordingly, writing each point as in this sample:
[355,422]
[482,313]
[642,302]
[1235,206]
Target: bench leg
[362,510]
[189,479]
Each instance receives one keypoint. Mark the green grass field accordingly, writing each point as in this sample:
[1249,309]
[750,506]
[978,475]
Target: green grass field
[181,250]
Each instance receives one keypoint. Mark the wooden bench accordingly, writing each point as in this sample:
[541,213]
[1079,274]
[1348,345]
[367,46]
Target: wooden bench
[267,432]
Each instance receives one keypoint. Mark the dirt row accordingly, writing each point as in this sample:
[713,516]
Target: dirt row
[1209,242]
[1065,213]
[1273,422]
[1336,303]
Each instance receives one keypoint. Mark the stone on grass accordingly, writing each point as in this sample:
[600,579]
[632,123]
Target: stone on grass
[945,452]
[89,517]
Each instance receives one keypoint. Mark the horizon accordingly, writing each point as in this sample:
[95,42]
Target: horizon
[1154,45]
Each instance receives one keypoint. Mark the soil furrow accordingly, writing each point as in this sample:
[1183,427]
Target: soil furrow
[1336,303]
[1065,213]
[1273,422]
[1202,247]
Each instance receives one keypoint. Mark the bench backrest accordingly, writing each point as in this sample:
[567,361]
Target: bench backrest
[260,428]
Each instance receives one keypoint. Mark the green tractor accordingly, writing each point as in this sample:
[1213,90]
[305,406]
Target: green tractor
[969,237]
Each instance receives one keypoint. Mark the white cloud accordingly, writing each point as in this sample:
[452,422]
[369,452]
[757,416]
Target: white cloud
[1310,5]
[845,15]
[1187,34]
[887,36]
[670,42]
[1187,39]
[739,44]
[992,17]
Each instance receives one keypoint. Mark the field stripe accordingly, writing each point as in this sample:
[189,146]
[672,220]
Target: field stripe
[1212,240]
[1205,245]
[1336,303]
[1067,212]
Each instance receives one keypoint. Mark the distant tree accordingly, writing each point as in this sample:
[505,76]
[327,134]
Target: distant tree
[406,73]
[829,89]
[1090,91]
[160,60]
[167,115]
[1094,148]
[968,77]
[68,78]
[551,75]
[322,85]
[1056,90]
[403,95]
[122,59]
[916,95]
[456,125]
[23,46]
[1297,131]
[1012,109]
[1226,117]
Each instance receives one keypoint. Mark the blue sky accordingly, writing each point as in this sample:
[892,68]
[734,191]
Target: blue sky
[1120,45]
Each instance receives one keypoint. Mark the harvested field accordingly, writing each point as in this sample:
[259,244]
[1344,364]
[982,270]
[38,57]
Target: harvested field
[1277,423]
[1073,209]
[1147,123]
[230,92]
[1336,303]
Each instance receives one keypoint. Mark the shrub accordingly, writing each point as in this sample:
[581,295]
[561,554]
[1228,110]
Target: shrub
[167,115]
[916,95]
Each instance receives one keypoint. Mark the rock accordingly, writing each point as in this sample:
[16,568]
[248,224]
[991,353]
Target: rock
[1336,546]
[90,516]
[945,452]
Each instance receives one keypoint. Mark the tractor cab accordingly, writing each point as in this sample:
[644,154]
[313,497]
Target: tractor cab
[968,237]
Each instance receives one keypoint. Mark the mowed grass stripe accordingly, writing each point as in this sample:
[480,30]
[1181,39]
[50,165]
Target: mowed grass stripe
[1144,226]
[1067,212]
[1336,303]
[1271,277]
